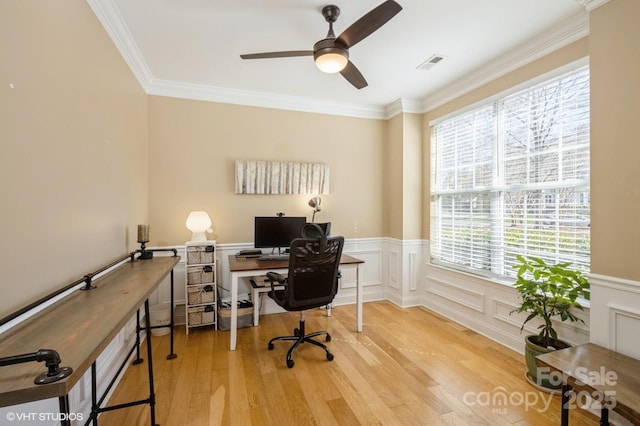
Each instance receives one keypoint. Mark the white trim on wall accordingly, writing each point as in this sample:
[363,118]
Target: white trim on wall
[615,317]
[485,306]
[591,5]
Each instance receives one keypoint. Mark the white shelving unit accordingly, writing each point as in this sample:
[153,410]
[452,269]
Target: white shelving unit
[200,284]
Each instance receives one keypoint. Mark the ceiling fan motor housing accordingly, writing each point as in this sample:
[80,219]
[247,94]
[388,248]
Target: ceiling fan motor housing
[329,45]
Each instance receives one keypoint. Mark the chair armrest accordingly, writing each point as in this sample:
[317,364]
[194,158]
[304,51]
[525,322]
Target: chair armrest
[274,276]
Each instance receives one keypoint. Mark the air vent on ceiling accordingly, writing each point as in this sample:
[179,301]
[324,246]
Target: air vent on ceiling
[430,62]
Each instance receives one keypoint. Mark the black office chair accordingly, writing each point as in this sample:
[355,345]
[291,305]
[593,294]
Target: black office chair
[312,282]
[325,226]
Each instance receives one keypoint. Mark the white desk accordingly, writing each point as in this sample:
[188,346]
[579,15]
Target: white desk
[257,291]
[247,267]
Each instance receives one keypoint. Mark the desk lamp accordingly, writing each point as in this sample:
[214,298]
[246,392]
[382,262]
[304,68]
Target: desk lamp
[198,223]
[315,204]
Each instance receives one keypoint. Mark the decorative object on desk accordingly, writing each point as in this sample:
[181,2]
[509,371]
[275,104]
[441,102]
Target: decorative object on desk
[314,203]
[143,238]
[198,223]
[547,291]
[275,177]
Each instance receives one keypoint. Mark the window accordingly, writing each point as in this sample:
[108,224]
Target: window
[511,177]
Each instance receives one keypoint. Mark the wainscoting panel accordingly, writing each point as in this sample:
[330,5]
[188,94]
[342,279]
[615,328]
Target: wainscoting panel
[502,312]
[485,306]
[405,285]
[394,268]
[615,316]
[459,295]
[624,325]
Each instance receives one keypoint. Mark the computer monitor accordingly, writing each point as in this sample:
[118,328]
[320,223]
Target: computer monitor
[277,231]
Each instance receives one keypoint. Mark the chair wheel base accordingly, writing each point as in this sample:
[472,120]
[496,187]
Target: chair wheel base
[299,337]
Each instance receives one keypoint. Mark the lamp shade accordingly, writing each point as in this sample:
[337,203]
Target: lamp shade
[315,203]
[329,56]
[198,223]
[331,62]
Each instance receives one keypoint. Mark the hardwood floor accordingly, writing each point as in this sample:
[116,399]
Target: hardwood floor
[408,367]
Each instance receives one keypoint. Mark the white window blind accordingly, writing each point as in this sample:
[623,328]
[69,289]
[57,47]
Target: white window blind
[512,178]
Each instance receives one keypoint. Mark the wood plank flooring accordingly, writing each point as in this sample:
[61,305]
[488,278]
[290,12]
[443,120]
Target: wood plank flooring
[408,367]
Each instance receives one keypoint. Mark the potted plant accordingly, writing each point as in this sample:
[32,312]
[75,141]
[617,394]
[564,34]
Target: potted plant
[547,292]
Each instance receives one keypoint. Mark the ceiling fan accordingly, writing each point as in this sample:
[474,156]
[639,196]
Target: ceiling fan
[331,54]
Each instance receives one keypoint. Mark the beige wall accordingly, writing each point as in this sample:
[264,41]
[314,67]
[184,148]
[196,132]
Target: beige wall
[193,146]
[73,153]
[615,144]
[403,177]
[412,168]
[393,194]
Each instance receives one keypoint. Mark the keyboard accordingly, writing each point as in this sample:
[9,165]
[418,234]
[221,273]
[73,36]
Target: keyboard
[274,257]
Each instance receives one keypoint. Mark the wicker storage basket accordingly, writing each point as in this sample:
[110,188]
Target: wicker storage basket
[201,315]
[197,295]
[199,274]
[200,254]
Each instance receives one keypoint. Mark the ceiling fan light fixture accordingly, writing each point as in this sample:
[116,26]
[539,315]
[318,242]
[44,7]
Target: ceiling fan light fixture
[332,62]
[329,57]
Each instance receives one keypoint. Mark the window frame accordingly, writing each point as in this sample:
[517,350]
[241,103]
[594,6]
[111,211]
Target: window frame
[498,191]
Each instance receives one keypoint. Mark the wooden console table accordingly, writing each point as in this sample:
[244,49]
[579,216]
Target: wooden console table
[79,327]
[608,377]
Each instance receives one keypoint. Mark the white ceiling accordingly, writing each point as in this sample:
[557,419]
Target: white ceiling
[191,48]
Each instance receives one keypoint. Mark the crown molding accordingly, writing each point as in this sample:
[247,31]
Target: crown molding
[109,16]
[547,42]
[399,106]
[590,5]
[260,99]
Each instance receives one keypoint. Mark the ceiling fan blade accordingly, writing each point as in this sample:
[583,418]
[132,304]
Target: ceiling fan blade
[369,23]
[353,76]
[285,54]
